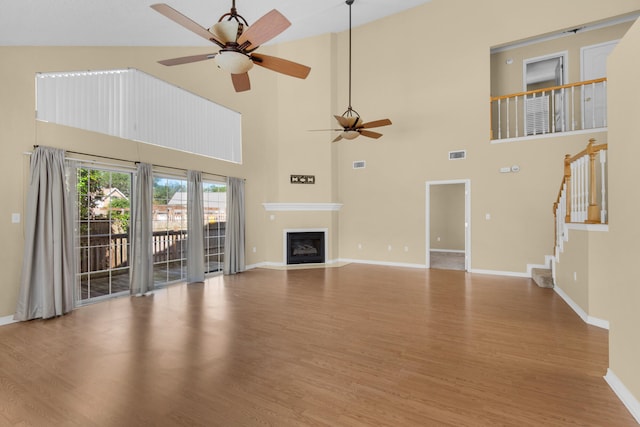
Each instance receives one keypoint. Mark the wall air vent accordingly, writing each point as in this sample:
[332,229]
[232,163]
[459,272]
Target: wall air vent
[458,155]
[359,164]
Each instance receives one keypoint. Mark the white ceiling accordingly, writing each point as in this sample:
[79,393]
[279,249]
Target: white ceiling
[134,23]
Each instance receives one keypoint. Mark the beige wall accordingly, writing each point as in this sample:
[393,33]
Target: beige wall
[269,155]
[621,255]
[434,85]
[446,216]
[572,268]
[580,275]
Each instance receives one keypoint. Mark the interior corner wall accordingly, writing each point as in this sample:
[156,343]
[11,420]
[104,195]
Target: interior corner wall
[622,251]
[440,108]
[20,132]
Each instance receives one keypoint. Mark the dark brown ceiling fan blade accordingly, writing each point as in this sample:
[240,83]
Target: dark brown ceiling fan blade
[280,65]
[187,59]
[375,124]
[370,134]
[241,82]
[338,138]
[186,22]
[264,29]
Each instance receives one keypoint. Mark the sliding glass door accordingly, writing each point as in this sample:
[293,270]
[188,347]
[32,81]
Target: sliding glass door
[215,216]
[169,230]
[102,231]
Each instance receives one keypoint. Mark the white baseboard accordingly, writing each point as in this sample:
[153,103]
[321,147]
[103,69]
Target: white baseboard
[385,263]
[6,320]
[623,393]
[600,323]
[591,320]
[283,266]
[500,273]
[575,307]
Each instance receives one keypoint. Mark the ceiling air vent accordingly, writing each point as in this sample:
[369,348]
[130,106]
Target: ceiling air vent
[458,155]
[359,164]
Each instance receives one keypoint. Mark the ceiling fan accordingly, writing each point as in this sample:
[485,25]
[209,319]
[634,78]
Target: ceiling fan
[237,42]
[351,124]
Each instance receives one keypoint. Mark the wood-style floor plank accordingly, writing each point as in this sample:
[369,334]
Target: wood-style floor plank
[357,345]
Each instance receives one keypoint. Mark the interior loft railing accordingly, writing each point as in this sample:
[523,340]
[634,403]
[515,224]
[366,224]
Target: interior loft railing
[565,108]
[582,197]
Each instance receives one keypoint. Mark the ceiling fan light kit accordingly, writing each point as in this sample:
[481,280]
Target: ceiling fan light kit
[233,62]
[237,42]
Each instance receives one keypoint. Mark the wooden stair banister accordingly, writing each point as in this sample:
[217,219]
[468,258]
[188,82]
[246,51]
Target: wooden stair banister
[581,190]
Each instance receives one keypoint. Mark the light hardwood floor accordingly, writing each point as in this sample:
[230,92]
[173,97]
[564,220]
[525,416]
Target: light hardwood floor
[357,345]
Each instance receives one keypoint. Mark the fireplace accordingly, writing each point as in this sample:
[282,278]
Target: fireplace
[303,247]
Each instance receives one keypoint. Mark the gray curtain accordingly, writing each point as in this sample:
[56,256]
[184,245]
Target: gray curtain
[48,268]
[141,234]
[234,238]
[195,228]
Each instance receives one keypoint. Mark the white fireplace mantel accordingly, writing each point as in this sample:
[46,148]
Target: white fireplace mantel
[283,207]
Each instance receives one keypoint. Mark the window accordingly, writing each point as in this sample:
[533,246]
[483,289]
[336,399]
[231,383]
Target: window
[102,229]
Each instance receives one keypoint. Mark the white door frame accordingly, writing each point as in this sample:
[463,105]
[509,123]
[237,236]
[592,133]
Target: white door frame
[467,219]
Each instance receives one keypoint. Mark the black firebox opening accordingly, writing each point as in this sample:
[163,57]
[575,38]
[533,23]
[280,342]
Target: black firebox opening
[305,247]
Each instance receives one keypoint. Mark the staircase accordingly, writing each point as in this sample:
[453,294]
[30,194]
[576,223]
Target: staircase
[542,277]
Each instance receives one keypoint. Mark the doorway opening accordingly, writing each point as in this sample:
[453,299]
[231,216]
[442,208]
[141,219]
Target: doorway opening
[593,65]
[448,227]
[544,111]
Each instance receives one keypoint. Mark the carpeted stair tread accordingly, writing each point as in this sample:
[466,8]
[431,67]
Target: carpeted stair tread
[542,277]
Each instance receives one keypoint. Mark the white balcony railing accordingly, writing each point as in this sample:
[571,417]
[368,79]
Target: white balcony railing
[567,108]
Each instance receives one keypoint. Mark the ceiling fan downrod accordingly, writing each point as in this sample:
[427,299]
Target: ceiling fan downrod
[233,14]
[350,2]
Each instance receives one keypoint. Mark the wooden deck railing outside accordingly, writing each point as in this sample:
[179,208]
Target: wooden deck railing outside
[111,251]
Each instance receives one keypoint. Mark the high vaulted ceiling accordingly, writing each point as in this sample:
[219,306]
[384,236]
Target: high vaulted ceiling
[134,23]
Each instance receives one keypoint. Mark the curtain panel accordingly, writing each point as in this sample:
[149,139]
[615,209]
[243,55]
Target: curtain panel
[48,271]
[195,228]
[234,261]
[141,275]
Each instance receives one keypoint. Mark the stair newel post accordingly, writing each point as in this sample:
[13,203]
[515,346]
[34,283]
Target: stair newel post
[593,212]
[567,179]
